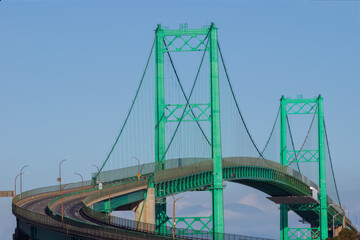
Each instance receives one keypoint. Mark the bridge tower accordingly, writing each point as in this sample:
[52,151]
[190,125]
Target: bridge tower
[304,106]
[162,37]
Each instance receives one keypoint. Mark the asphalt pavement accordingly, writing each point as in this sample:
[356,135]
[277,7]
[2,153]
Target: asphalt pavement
[38,205]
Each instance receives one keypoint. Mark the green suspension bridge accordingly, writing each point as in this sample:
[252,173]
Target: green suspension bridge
[192,139]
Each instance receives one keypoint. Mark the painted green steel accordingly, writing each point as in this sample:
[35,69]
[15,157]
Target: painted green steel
[186,44]
[284,222]
[208,111]
[305,106]
[303,233]
[284,225]
[303,155]
[217,191]
[185,113]
[160,209]
[322,172]
[276,182]
[159,98]
[185,32]
[119,201]
[299,100]
[301,108]
[243,170]
[283,147]
[205,222]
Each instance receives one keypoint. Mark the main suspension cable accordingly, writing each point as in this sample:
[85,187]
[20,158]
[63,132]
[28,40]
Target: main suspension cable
[332,169]
[272,131]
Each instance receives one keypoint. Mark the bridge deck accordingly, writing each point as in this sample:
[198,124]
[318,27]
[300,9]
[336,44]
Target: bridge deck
[264,175]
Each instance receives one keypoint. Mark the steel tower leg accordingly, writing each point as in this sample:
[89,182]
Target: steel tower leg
[160,208]
[284,210]
[322,172]
[217,191]
[284,224]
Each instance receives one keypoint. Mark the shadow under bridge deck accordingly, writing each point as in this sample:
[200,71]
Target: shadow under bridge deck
[270,177]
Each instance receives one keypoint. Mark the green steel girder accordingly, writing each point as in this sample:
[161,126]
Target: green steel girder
[273,177]
[303,233]
[270,181]
[301,108]
[185,43]
[205,222]
[263,175]
[305,207]
[302,156]
[252,174]
[160,216]
[183,184]
[193,112]
[185,32]
[119,201]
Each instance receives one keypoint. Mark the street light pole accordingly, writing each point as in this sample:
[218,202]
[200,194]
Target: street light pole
[174,222]
[15,185]
[82,185]
[21,173]
[97,171]
[174,202]
[344,217]
[59,179]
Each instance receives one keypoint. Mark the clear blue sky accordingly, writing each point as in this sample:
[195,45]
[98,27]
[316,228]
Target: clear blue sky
[69,69]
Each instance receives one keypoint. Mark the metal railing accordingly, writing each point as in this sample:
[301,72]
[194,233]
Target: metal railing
[50,189]
[164,231]
[69,225]
[123,224]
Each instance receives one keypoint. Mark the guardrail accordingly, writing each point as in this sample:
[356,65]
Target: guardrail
[69,225]
[165,232]
[124,227]
[47,190]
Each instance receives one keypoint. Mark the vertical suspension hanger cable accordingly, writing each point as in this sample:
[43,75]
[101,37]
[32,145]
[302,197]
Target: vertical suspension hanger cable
[272,131]
[186,106]
[130,110]
[182,89]
[306,138]
[236,103]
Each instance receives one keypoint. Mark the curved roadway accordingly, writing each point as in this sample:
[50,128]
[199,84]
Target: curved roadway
[73,205]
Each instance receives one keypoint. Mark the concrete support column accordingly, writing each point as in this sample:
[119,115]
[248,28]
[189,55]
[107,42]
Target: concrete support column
[145,212]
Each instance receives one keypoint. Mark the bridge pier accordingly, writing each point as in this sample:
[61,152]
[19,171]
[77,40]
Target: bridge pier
[145,212]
